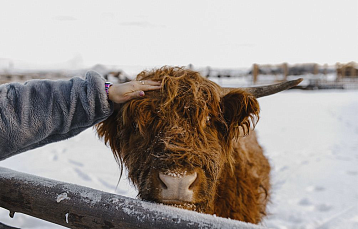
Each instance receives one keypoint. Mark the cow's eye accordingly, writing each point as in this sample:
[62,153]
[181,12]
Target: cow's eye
[135,126]
[208,118]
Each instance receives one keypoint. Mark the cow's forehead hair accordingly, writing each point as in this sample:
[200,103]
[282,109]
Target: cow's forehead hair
[184,96]
[180,84]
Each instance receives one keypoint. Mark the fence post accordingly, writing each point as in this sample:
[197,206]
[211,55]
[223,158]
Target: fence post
[255,72]
[339,72]
[343,70]
[353,70]
[285,70]
[315,69]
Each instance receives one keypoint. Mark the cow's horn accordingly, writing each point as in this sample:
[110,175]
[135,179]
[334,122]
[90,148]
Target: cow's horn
[262,91]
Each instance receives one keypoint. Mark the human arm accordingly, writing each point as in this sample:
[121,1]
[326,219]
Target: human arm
[44,111]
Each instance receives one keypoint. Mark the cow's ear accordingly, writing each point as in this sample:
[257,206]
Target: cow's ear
[108,130]
[240,111]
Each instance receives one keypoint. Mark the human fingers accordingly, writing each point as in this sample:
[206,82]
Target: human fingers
[149,82]
[147,85]
[120,93]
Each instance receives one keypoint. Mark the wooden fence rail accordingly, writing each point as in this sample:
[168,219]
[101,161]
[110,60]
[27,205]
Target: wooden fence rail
[76,206]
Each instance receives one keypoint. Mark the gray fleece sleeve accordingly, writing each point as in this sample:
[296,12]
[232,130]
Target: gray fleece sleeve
[39,112]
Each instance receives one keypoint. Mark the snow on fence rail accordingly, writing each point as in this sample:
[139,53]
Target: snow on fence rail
[76,206]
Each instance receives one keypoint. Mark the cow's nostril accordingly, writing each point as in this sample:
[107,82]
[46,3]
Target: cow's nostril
[162,184]
[195,182]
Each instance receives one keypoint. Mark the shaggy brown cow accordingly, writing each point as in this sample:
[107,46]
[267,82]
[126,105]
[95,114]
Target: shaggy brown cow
[191,145]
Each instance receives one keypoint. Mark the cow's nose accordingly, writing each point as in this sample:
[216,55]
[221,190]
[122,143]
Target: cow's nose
[178,187]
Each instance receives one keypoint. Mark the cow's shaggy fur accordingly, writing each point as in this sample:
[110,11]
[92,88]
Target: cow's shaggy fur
[190,125]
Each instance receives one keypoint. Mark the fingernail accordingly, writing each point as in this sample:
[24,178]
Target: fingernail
[141,93]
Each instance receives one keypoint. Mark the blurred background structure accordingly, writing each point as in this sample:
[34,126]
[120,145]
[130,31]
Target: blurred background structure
[338,76]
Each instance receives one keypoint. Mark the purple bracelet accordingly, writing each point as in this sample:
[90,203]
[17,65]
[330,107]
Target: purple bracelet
[107,85]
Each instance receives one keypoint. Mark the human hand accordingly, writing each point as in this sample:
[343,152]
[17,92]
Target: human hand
[120,93]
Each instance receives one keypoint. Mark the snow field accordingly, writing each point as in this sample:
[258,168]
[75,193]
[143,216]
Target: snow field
[311,139]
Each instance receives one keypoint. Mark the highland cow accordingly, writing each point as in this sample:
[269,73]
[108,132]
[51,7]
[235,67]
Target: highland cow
[192,144]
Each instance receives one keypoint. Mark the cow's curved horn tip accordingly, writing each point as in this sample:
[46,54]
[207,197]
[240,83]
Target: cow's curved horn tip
[299,80]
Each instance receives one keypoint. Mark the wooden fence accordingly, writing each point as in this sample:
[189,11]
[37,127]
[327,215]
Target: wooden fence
[346,75]
[76,206]
[285,70]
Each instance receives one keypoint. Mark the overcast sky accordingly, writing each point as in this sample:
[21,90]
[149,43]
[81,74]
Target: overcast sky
[163,32]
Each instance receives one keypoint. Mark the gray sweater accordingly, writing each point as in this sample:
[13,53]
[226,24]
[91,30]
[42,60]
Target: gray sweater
[39,112]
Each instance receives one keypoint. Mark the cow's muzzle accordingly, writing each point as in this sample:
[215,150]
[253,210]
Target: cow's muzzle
[177,188]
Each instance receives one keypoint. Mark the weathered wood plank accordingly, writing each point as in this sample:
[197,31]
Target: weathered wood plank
[76,206]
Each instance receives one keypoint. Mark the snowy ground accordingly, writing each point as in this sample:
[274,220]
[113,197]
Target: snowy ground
[311,139]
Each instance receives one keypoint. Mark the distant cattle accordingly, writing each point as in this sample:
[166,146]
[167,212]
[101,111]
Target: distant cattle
[192,144]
